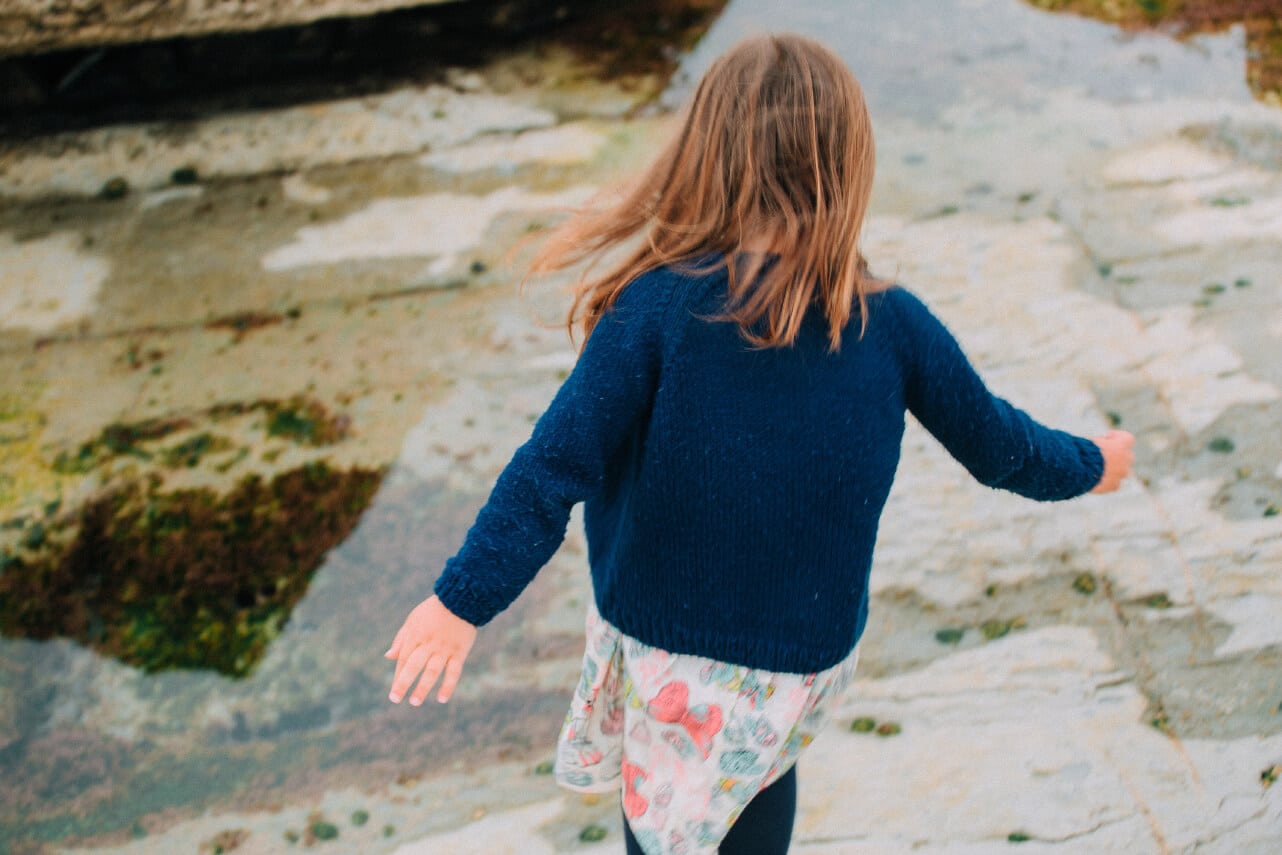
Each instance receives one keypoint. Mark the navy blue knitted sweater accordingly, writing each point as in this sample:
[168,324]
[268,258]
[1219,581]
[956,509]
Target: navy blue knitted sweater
[731,495]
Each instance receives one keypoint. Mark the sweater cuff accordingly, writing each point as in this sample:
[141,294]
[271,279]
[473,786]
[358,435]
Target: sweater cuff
[1092,462]
[457,595]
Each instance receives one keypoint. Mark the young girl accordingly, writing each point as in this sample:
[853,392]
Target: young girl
[732,427]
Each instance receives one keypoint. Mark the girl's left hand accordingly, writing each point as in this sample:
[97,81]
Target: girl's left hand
[432,641]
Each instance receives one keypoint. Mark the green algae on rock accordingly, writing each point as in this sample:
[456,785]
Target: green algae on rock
[189,452]
[118,440]
[189,578]
[322,830]
[863,725]
[1160,600]
[1132,13]
[592,834]
[224,841]
[1161,721]
[114,188]
[300,419]
[950,635]
[1085,584]
[305,421]
[994,629]
[184,175]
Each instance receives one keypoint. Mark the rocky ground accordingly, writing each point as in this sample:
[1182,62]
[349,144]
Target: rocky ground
[328,290]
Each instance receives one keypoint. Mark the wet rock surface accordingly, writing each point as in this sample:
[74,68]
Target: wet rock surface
[1259,19]
[1098,228]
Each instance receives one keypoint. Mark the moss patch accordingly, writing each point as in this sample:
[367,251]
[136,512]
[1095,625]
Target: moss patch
[300,419]
[184,579]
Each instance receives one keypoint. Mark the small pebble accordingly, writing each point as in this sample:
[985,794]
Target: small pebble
[994,629]
[1214,288]
[888,728]
[389,830]
[1271,511]
[544,768]
[360,817]
[184,175]
[1114,418]
[291,836]
[1018,837]
[1270,775]
[1242,283]
[1084,584]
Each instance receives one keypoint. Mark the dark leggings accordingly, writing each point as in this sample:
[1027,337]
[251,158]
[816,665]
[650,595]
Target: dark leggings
[764,827]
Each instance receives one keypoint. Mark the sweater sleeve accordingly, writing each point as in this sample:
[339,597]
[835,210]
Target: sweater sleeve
[1000,445]
[564,461]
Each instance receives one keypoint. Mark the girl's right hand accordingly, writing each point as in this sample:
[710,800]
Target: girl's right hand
[432,642]
[1117,447]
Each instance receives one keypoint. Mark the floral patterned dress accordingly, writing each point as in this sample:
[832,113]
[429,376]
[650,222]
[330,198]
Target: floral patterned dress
[688,740]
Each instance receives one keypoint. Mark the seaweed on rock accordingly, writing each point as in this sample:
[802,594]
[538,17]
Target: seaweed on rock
[185,579]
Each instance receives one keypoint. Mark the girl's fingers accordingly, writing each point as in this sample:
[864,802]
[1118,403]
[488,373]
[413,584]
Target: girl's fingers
[433,670]
[407,668]
[453,669]
[395,649]
[402,659]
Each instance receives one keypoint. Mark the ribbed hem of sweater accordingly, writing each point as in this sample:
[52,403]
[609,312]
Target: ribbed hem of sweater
[802,655]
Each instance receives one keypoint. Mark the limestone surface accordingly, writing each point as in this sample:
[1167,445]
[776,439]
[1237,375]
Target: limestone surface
[1093,214]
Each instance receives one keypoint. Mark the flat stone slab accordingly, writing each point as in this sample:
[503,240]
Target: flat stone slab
[1095,676]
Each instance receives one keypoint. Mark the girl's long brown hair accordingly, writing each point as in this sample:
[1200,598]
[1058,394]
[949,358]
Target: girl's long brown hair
[776,146]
